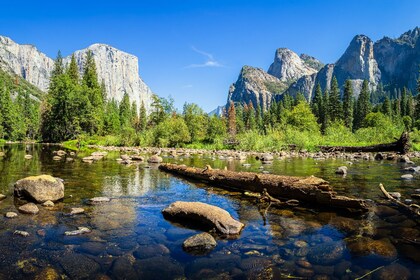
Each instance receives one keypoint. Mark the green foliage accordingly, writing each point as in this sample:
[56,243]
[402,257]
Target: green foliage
[216,129]
[348,104]
[274,87]
[172,132]
[73,71]
[301,118]
[363,107]
[335,106]
[196,121]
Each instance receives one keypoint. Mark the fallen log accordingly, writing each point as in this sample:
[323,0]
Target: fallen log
[305,189]
[402,146]
[412,208]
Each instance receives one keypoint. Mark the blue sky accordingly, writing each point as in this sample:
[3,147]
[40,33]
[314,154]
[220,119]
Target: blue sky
[194,50]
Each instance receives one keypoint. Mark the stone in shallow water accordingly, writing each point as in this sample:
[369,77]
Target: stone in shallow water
[11,215]
[48,273]
[149,251]
[201,243]
[29,208]
[393,271]
[158,268]
[75,211]
[2,196]
[99,199]
[21,233]
[93,248]
[48,203]
[326,253]
[365,246]
[78,266]
[202,214]
[342,170]
[80,230]
[407,176]
[39,188]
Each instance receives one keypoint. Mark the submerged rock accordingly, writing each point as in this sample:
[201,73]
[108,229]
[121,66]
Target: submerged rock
[75,211]
[202,214]
[342,170]
[201,243]
[21,233]
[155,159]
[407,176]
[365,246]
[29,208]
[11,215]
[393,271]
[326,253]
[80,230]
[48,203]
[99,199]
[40,188]
[48,273]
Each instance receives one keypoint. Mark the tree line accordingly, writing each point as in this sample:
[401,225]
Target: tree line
[76,107]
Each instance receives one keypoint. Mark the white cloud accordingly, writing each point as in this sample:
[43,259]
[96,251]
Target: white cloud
[210,60]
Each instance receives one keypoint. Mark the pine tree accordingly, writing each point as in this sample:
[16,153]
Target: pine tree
[325,117]
[232,120]
[258,118]
[363,105]
[6,111]
[316,104]
[404,102]
[300,98]
[396,108]
[73,70]
[92,89]
[335,107]
[251,117]
[143,117]
[386,107]
[409,109]
[348,104]
[58,66]
[112,123]
[125,111]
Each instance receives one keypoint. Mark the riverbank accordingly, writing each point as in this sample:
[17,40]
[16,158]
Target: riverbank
[263,156]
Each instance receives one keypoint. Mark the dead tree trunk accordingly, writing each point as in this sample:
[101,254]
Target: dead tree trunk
[402,146]
[310,189]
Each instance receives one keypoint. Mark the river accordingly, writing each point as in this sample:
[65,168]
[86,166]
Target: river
[130,239]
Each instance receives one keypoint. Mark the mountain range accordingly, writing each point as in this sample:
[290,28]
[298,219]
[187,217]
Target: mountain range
[118,70]
[394,63]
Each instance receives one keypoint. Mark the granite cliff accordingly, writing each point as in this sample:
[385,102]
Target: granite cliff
[118,70]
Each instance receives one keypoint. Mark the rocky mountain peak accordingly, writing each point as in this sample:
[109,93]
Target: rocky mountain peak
[256,86]
[358,62]
[410,37]
[288,66]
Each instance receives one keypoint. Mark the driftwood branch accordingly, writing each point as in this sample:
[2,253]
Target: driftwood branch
[313,190]
[412,208]
[402,146]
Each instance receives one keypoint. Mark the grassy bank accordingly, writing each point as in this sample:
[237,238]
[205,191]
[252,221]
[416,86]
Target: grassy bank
[274,140]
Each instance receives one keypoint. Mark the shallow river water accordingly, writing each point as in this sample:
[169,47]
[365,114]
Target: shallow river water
[130,239]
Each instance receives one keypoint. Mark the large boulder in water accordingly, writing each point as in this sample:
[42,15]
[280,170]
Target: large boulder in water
[40,188]
[204,215]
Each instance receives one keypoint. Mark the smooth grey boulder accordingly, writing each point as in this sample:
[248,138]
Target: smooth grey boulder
[342,170]
[201,243]
[203,215]
[29,208]
[155,159]
[40,188]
